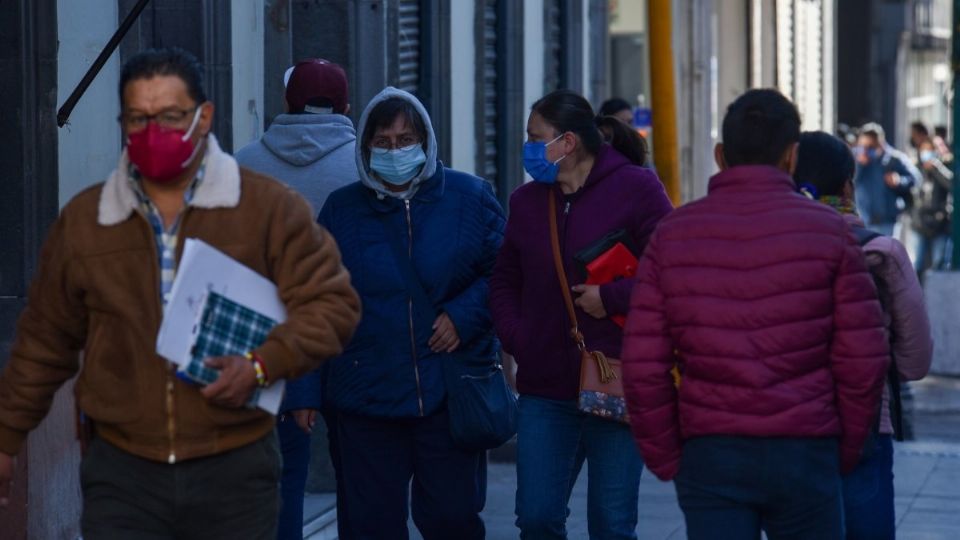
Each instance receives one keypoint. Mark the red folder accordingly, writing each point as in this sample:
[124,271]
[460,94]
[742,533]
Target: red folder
[614,263]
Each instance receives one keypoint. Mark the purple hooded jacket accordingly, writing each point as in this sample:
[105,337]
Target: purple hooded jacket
[528,308]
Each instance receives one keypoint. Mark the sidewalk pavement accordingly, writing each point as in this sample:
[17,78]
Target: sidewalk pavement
[926,482]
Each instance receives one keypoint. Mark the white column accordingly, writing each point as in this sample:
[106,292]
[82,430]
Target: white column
[463,136]
[532,52]
[246,37]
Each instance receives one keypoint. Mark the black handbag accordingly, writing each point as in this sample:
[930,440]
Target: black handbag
[481,406]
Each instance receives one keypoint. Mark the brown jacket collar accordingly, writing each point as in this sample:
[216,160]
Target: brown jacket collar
[220,187]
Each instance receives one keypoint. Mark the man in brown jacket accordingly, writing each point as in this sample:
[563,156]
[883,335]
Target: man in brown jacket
[169,459]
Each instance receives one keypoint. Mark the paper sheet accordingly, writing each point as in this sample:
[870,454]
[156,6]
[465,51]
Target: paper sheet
[203,268]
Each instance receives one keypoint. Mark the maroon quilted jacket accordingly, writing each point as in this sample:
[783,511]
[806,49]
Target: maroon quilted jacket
[762,298]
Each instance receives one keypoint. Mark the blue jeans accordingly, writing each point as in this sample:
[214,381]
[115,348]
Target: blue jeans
[885,229]
[553,440]
[295,448]
[732,487]
[868,493]
[933,253]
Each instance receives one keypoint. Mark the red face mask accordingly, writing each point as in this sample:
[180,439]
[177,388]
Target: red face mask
[161,154]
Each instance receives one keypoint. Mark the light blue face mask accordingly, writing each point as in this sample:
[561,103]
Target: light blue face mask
[397,167]
[537,165]
[927,155]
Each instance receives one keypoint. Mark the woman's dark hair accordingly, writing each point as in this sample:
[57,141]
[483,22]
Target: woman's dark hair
[612,106]
[168,61]
[759,127]
[566,110]
[824,162]
[384,114]
[624,138]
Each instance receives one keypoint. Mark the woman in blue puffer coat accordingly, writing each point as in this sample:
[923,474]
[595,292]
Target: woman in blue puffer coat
[388,387]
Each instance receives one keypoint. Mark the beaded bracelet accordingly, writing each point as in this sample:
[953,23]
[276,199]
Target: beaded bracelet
[259,367]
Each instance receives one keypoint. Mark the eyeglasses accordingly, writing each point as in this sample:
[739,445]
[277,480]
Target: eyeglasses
[387,143]
[169,119]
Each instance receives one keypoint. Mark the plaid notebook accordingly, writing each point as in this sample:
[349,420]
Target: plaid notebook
[226,328]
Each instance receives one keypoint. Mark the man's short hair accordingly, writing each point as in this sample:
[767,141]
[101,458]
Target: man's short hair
[759,127]
[317,85]
[166,61]
[875,130]
[920,128]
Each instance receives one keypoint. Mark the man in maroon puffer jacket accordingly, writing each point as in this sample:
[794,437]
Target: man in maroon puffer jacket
[762,299]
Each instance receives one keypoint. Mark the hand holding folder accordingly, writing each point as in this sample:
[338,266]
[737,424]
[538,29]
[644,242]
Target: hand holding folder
[608,260]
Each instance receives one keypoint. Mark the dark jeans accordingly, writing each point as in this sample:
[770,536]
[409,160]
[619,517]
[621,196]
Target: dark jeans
[378,459]
[868,494]
[732,487]
[226,496]
[553,441]
[295,446]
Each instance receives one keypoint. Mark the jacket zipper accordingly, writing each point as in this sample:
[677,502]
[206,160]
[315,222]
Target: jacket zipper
[169,401]
[171,373]
[413,342]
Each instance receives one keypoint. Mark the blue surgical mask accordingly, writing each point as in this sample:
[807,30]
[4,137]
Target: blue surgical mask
[397,167]
[536,163]
[926,155]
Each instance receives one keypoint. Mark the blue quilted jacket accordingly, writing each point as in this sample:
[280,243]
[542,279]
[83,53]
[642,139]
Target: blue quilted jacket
[455,225]
[452,229]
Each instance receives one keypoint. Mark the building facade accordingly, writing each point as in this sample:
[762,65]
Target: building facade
[478,65]
[894,64]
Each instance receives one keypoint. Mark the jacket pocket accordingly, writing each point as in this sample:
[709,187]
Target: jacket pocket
[109,388]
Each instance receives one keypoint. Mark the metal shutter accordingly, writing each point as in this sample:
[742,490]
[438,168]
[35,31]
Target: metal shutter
[487,92]
[408,45]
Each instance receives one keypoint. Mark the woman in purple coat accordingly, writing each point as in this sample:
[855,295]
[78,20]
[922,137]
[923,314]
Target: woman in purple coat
[599,191]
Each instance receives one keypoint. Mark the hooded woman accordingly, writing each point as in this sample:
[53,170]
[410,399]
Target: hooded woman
[598,190]
[409,211]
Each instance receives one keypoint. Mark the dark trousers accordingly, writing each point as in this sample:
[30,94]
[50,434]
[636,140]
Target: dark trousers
[295,446]
[732,487]
[378,460]
[868,493]
[227,496]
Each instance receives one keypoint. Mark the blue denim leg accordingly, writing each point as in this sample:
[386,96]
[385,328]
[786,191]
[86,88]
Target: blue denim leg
[549,458]
[885,229]
[719,481]
[942,252]
[868,494]
[924,244]
[805,498]
[789,487]
[613,474]
[295,448]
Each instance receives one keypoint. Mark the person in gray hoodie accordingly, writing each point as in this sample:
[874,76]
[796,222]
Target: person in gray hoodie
[311,149]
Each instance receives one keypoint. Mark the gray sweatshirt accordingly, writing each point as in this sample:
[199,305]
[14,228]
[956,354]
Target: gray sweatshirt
[312,153]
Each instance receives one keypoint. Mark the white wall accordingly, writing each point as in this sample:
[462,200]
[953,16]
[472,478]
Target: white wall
[247,55]
[463,151]
[532,53]
[89,146]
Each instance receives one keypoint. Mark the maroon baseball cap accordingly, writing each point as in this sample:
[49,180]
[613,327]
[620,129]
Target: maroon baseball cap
[317,79]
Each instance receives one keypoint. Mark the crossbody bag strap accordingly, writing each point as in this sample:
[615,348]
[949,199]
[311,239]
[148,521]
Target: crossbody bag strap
[603,365]
[561,274]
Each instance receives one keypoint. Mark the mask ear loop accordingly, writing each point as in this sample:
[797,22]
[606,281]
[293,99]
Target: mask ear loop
[553,141]
[187,135]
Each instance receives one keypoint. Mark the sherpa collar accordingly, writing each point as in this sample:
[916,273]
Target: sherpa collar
[220,187]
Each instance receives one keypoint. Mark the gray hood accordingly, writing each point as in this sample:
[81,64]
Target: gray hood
[429,167]
[302,139]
